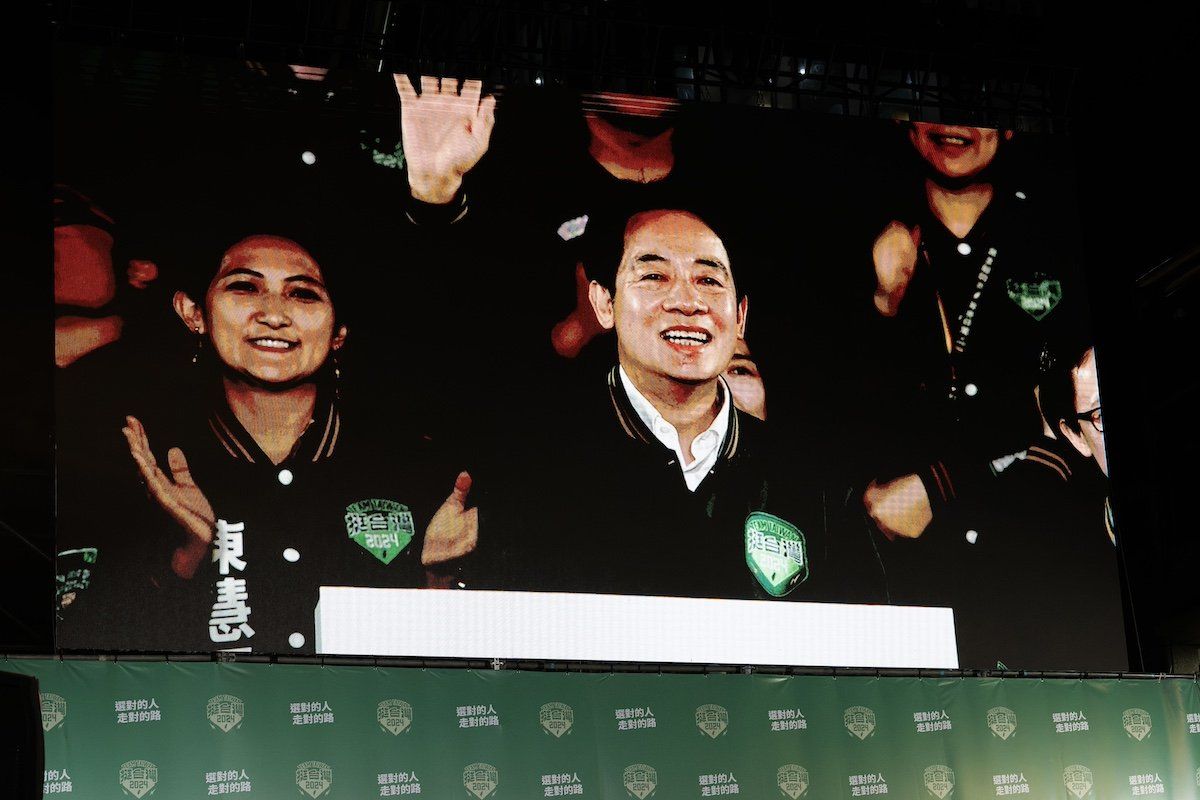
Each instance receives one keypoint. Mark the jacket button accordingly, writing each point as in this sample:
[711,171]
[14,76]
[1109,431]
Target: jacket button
[285,477]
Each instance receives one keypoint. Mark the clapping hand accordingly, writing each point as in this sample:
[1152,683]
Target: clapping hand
[178,495]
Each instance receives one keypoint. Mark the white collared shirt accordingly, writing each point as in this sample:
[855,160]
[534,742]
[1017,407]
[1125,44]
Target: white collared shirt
[706,447]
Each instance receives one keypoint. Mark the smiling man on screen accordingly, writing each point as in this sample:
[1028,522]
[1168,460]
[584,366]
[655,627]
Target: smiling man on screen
[657,484]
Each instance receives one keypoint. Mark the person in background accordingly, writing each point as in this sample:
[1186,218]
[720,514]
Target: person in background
[746,382]
[87,291]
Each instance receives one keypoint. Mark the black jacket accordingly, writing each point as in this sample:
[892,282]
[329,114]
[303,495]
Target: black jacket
[592,502]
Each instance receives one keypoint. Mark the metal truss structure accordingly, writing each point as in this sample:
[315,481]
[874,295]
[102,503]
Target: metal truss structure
[759,56]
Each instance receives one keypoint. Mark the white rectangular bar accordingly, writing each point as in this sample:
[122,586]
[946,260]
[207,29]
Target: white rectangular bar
[600,627]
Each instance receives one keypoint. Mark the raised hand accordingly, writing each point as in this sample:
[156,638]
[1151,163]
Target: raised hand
[178,495]
[445,133]
[895,256]
[454,530]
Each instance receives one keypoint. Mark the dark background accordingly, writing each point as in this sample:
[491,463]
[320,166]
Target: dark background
[1118,88]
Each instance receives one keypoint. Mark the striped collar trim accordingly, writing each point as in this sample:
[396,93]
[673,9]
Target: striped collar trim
[1049,459]
[317,443]
[634,428]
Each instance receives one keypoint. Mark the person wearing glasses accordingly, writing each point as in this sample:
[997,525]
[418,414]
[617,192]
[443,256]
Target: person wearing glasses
[1046,585]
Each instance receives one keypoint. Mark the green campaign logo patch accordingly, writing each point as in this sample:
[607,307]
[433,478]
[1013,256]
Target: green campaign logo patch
[776,553]
[1037,297]
[381,527]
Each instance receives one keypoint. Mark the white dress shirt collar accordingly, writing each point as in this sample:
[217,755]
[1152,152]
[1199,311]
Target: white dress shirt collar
[706,447]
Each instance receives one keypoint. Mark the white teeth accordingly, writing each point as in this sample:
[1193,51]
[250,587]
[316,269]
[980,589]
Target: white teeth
[276,344]
[954,140]
[687,338]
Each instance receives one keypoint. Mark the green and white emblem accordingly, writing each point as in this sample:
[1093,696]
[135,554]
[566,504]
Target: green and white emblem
[314,778]
[394,716]
[54,710]
[1136,722]
[640,780]
[225,712]
[138,778]
[556,719]
[1002,721]
[712,720]
[1078,780]
[381,527]
[480,779]
[775,552]
[939,780]
[859,720]
[792,780]
[1037,297]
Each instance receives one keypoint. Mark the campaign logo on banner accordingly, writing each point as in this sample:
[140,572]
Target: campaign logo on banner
[1002,721]
[1136,722]
[939,780]
[225,712]
[138,778]
[640,780]
[314,778]
[712,720]
[556,718]
[792,780]
[1078,780]
[480,779]
[394,716]
[859,720]
[54,710]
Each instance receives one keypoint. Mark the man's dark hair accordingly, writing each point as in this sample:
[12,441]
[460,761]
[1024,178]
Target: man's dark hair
[1056,391]
[605,242]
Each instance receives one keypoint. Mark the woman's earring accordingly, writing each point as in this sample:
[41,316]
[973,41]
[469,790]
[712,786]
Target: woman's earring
[199,344]
[337,379]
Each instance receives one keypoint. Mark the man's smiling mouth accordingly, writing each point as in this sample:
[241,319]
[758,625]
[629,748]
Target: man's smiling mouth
[687,337]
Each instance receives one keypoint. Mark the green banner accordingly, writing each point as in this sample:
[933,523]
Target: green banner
[197,730]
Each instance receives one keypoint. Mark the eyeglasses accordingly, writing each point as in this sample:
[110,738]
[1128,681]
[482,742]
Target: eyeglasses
[1093,417]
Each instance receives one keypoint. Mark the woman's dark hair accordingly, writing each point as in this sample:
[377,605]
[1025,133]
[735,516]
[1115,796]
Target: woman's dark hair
[193,269]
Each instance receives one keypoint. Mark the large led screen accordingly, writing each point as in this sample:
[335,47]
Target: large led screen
[399,365]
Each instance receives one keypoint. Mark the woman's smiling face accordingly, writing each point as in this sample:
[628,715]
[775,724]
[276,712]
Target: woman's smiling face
[269,314]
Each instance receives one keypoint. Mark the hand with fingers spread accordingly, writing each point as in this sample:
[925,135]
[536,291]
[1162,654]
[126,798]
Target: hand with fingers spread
[454,530]
[895,257]
[178,495]
[445,132]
